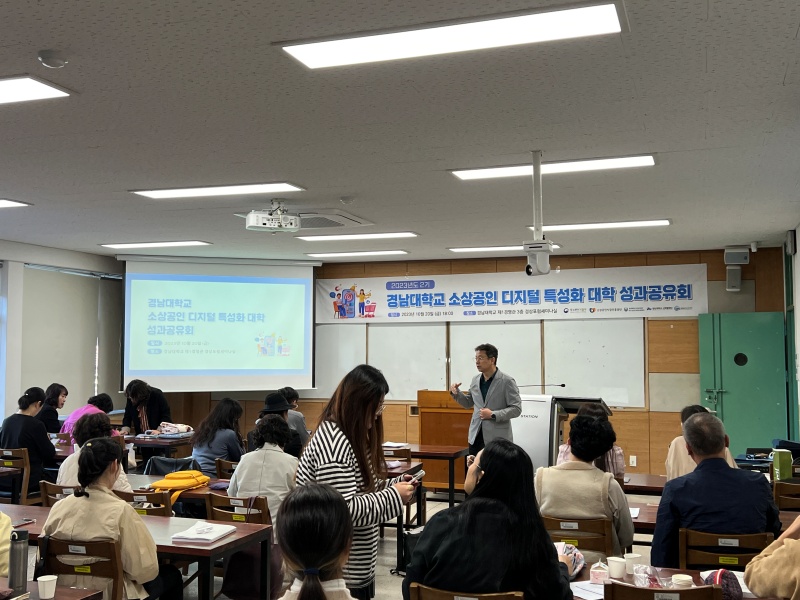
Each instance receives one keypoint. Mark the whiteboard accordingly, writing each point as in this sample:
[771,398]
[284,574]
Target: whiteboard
[337,350]
[411,356]
[519,351]
[597,358]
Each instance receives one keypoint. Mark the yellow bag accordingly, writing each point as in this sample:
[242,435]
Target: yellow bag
[180,481]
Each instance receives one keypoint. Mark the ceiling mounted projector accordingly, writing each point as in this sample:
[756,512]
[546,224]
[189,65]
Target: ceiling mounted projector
[275,219]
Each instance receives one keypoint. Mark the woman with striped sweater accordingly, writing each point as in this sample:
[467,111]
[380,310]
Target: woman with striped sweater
[346,452]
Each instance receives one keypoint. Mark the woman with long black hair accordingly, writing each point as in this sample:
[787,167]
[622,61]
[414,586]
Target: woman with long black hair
[218,436]
[494,541]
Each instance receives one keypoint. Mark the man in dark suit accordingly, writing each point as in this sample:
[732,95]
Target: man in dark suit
[493,397]
[714,498]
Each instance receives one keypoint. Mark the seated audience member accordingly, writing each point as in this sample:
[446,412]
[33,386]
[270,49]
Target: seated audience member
[275,403]
[5,543]
[95,513]
[713,498]
[577,489]
[54,399]
[88,427]
[775,573]
[612,461]
[100,404]
[145,410]
[268,472]
[296,419]
[24,430]
[494,541]
[315,533]
[678,461]
[218,436]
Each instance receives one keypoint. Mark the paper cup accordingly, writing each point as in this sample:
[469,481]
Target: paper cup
[682,581]
[616,567]
[47,586]
[630,560]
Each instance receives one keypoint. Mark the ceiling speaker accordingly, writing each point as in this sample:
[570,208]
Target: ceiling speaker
[733,279]
[737,255]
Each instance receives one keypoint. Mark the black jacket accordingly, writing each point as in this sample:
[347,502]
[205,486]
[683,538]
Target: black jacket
[157,411]
[477,561]
[23,431]
[49,416]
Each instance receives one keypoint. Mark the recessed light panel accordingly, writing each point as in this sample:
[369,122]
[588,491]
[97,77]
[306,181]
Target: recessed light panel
[573,166]
[25,88]
[617,225]
[346,254]
[356,236]
[220,190]
[493,32]
[155,245]
[11,204]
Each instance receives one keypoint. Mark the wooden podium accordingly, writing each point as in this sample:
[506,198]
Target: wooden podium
[442,422]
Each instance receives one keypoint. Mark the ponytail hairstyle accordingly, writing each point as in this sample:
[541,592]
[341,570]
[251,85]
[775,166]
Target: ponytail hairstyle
[96,456]
[314,530]
[53,393]
[31,396]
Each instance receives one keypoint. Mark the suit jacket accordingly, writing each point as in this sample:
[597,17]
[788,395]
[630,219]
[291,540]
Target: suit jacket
[715,499]
[502,399]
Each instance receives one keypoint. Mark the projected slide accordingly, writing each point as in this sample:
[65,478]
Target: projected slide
[220,332]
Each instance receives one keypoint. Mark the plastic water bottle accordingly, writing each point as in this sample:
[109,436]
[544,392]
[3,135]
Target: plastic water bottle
[18,561]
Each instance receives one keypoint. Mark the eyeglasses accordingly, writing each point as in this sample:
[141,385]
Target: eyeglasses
[380,410]
[479,358]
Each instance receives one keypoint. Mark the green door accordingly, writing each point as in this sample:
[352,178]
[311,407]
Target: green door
[743,376]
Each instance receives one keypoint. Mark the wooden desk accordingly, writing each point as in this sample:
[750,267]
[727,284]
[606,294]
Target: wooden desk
[62,593]
[442,422]
[448,453]
[644,483]
[646,521]
[162,528]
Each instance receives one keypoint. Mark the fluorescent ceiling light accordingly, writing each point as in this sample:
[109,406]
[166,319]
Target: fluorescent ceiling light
[369,253]
[11,203]
[356,236]
[617,225]
[494,249]
[25,88]
[573,166]
[155,245]
[494,32]
[220,190]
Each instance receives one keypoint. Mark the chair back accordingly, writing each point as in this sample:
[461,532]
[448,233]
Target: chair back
[417,591]
[17,458]
[225,468]
[148,503]
[787,495]
[110,568]
[161,465]
[585,534]
[720,550]
[239,510]
[614,590]
[52,493]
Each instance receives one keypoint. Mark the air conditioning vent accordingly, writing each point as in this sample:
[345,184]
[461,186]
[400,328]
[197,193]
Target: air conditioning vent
[330,218]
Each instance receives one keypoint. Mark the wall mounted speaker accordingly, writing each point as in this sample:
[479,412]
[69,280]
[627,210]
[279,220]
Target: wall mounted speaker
[737,255]
[733,279]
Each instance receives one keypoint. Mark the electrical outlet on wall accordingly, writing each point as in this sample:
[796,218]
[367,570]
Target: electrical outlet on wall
[632,460]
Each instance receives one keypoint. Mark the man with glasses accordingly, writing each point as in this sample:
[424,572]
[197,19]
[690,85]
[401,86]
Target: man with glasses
[493,397]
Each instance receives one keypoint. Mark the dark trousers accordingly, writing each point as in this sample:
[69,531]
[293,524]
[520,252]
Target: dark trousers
[363,593]
[167,586]
[478,444]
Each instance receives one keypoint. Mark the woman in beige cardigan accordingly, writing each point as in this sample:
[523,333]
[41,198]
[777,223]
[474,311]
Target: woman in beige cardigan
[776,571]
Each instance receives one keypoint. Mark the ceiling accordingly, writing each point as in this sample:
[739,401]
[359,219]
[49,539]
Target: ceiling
[187,94]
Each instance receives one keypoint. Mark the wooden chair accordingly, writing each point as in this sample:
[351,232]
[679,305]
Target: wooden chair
[64,439]
[52,493]
[223,508]
[225,468]
[693,547]
[596,535]
[418,591]
[148,503]
[111,568]
[18,459]
[787,495]
[614,590]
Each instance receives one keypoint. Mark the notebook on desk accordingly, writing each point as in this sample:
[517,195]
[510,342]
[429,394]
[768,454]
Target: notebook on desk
[204,533]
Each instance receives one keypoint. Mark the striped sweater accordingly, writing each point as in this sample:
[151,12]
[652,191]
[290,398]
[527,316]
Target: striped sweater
[329,458]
